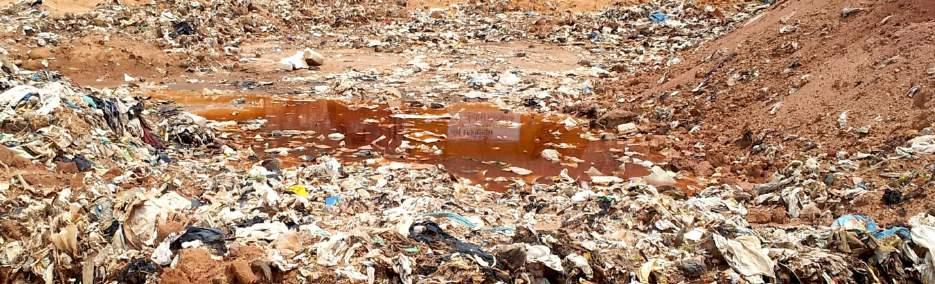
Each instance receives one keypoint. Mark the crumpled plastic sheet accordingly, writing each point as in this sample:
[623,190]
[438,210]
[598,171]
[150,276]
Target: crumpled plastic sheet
[863,223]
[923,234]
[924,144]
[746,255]
[212,238]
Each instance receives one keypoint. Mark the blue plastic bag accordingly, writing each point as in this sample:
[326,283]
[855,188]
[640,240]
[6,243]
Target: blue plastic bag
[332,200]
[864,223]
[658,17]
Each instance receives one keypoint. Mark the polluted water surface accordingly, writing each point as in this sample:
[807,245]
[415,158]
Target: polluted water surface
[476,141]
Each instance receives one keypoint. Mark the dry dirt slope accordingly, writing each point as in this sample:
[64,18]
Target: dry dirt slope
[786,77]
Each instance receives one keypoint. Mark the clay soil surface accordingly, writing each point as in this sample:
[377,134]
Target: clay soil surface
[785,79]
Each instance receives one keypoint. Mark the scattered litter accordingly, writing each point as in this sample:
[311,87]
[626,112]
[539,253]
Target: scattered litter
[336,136]
[113,184]
[747,257]
[848,11]
[658,17]
[551,155]
[518,171]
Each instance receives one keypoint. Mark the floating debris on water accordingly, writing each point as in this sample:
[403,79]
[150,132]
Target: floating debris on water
[476,141]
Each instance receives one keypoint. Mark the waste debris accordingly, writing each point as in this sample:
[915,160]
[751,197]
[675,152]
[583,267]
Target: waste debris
[494,141]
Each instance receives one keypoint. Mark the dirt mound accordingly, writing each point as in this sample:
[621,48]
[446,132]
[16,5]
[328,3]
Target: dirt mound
[820,76]
[101,60]
[198,266]
[832,78]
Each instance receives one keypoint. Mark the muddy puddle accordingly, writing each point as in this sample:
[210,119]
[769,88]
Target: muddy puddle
[476,141]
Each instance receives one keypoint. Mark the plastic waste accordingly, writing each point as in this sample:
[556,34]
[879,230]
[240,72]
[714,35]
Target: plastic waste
[583,196]
[83,164]
[551,155]
[12,97]
[163,253]
[863,223]
[294,62]
[269,231]
[606,180]
[137,271]
[518,171]
[924,144]
[660,177]
[332,200]
[140,225]
[299,190]
[658,17]
[508,79]
[747,257]
[647,268]
[183,28]
[211,238]
[454,217]
[429,232]
[627,128]
[66,240]
[403,267]
[332,251]
[302,60]
[581,263]
[924,236]
[542,254]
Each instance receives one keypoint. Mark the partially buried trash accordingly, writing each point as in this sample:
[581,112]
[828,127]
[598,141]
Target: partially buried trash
[184,28]
[430,233]
[863,223]
[746,256]
[137,271]
[82,163]
[212,238]
[892,196]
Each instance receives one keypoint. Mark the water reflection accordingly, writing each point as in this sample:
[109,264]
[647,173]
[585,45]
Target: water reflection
[477,140]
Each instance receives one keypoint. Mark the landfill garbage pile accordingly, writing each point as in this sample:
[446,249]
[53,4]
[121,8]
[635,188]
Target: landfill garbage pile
[775,88]
[145,204]
[627,37]
[650,35]
[768,104]
[109,185]
[199,30]
[208,32]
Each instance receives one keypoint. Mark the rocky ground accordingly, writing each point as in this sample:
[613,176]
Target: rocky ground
[467,141]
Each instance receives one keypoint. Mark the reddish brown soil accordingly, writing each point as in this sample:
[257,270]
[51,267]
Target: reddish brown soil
[110,60]
[198,266]
[863,64]
[99,60]
[41,181]
[855,64]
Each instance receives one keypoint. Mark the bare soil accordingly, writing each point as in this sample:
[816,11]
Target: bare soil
[775,90]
